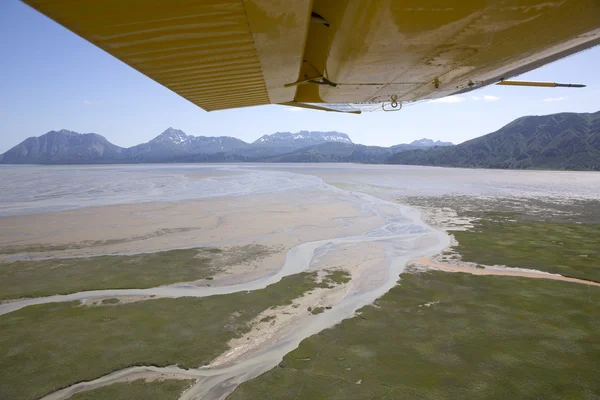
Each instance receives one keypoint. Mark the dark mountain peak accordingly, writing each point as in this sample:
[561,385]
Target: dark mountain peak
[64,132]
[68,136]
[55,134]
[62,146]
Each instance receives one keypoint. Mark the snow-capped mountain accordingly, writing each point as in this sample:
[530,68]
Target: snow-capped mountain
[171,137]
[301,139]
[174,142]
[429,143]
[174,145]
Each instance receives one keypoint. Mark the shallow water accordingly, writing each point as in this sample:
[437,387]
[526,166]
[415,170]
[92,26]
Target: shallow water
[32,189]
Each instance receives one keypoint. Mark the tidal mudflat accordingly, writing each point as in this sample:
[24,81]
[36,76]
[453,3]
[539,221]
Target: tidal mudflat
[340,235]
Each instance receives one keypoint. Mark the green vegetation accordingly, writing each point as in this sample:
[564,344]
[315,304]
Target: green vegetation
[62,276]
[334,277]
[338,277]
[317,310]
[584,211]
[40,248]
[47,347]
[268,318]
[136,390]
[441,335]
[563,248]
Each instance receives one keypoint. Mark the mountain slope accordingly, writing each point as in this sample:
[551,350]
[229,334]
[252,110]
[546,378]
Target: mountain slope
[335,152]
[346,151]
[63,147]
[558,141]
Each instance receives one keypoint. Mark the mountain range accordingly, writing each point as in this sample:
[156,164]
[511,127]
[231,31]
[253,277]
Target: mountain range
[174,145]
[559,141]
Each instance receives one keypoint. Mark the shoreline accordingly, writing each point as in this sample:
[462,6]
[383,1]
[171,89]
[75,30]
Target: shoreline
[447,220]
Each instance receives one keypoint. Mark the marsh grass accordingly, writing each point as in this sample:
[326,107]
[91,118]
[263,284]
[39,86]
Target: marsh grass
[333,278]
[317,310]
[563,248]
[136,390]
[268,318]
[482,337]
[338,276]
[47,347]
[62,276]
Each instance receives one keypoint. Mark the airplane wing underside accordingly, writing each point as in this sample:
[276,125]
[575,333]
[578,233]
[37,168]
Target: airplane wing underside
[338,55]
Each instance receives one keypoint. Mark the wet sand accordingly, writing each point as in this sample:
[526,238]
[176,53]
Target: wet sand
[428,263]
[281,218]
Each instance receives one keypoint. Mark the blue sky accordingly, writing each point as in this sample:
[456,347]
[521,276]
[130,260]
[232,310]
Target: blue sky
[52,79]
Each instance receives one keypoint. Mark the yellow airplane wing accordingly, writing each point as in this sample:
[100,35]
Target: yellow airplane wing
[338,55]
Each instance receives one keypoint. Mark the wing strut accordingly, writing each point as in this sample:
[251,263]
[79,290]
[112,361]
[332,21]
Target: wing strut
[540,84]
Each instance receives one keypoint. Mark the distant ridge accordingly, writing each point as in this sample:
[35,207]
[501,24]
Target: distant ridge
[174,145]
[569,141]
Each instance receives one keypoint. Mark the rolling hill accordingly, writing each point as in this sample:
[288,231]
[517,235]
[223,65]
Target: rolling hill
[568,141]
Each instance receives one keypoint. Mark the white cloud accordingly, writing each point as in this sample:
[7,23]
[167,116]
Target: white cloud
[485,98]
[449,99]
[552,99]
[294,109]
